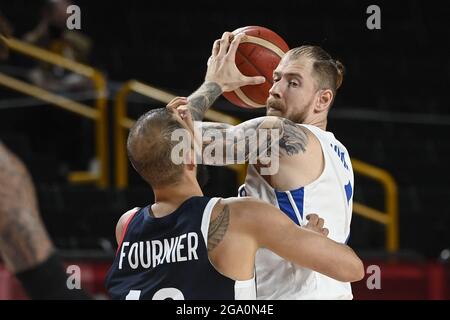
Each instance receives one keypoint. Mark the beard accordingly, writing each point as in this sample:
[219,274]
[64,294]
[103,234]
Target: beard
[278,109]
[274,105]
[275,108]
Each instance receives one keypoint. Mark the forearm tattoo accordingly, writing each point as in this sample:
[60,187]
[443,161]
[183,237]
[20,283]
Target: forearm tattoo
[203,98]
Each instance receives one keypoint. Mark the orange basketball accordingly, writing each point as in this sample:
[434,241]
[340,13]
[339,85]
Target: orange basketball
[258,54]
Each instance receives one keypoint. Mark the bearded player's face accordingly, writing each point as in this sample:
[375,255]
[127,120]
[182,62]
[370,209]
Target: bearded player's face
[293,91]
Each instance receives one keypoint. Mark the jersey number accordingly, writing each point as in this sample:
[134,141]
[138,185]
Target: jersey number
[161,294]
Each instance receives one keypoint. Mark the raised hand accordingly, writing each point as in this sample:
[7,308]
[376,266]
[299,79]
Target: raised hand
[222,67]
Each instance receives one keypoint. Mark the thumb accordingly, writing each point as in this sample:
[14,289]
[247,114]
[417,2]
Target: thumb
[255,80]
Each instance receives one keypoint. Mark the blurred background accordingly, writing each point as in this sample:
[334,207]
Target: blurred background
[67,98]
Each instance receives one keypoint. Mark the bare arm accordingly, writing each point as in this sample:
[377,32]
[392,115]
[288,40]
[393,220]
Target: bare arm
[276,232]
[24,242]
[246,140]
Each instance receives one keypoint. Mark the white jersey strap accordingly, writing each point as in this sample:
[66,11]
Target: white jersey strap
[207,217]
[242,192]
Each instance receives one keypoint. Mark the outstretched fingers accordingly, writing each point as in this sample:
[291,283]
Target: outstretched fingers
[224,44]
[234,45]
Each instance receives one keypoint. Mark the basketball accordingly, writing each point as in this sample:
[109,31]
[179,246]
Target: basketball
[258,54]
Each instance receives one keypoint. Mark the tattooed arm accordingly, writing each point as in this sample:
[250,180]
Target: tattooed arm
[24,242]
[203,98]
[218,227]
[246,140]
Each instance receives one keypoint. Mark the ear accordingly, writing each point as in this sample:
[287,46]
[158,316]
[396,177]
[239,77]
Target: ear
[324,99]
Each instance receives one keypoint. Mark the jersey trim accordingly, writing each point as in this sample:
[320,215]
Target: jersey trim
[243,289]
[241,191]
[206,219]
[291,203]
[348,191]
[124,231]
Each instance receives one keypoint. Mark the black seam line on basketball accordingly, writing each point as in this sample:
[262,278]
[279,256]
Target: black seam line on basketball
[259,35]
[259,71]
[276,45]
[251,52]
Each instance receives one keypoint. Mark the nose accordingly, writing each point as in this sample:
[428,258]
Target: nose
[275,91]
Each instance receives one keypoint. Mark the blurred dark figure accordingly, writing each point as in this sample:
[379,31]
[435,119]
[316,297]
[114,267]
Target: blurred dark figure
[25,246]
[52,34]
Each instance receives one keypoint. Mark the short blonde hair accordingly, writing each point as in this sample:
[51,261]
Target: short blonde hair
[329,72]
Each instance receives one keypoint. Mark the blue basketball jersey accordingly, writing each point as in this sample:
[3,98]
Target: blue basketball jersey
[167,258]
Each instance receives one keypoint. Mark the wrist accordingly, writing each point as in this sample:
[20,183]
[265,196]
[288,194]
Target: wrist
[214,85]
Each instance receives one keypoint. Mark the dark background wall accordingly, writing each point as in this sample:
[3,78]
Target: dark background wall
[168,43]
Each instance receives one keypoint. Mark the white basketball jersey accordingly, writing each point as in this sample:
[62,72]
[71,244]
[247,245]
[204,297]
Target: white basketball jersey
[330,196]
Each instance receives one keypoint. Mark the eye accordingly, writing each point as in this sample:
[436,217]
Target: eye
[276,79]
[293,83]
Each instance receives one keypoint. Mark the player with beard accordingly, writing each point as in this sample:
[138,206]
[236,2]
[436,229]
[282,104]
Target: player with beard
[315,173]
[185,245]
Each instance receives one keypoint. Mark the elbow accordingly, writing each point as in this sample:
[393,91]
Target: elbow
[355,271]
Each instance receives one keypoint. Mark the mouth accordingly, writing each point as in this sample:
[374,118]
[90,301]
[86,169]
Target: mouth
[274,107]
[273,111]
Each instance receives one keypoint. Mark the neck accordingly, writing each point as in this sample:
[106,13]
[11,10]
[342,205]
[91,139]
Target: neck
[320,122]
[168,198]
